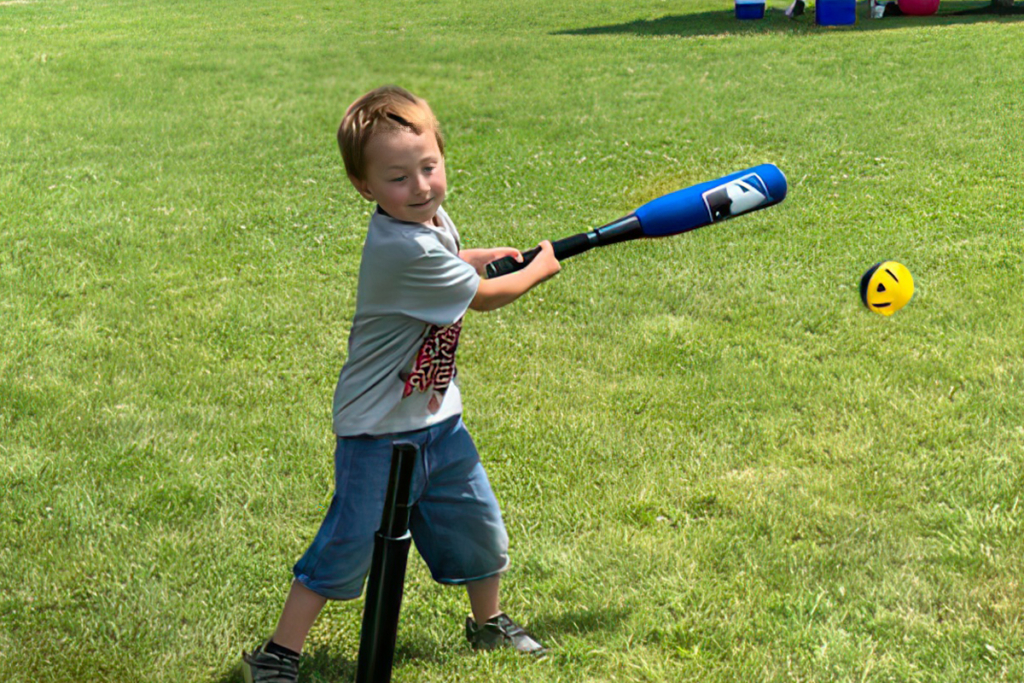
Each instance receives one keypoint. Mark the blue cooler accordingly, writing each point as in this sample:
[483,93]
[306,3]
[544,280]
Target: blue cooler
[835,12]
[750,9]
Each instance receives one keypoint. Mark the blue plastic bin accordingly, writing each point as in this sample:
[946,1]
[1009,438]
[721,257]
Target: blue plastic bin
[835,12]
[750,9]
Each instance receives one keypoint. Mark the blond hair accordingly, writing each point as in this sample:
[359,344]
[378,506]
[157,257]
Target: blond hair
[385,110]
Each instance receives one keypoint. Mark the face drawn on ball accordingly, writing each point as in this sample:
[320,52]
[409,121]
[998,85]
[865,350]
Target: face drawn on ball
[886,287]
[735,197]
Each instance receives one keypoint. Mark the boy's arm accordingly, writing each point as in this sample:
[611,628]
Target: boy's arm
[501,291]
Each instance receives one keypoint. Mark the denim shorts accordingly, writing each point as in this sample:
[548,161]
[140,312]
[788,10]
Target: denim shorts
[455,521]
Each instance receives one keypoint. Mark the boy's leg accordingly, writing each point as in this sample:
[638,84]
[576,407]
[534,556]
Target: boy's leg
[335,565]
[456,522]
[458,530]
[483,598]
[277,660]
[301,609]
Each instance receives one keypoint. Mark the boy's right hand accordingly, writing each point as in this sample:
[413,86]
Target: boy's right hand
[544,264]
[496,292]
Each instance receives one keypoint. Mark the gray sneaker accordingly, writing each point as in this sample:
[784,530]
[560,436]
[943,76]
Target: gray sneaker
[261,666]
[501,631]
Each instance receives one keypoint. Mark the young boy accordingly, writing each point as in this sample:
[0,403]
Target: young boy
[399,383]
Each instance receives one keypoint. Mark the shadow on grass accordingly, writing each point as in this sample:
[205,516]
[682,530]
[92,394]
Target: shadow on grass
[775,21]
[232,675]
[321,665]
[577,622]
[420,649]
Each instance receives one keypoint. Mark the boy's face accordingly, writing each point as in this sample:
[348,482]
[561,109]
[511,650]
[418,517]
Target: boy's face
[405,175]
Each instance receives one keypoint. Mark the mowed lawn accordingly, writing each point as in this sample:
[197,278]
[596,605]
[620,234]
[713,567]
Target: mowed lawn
[715,464]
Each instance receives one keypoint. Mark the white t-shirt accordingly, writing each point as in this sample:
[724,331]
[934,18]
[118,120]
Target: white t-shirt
[413,292]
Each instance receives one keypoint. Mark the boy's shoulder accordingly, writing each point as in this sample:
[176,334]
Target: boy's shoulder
[394,241]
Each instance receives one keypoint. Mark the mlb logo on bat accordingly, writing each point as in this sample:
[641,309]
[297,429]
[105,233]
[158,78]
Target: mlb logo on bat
[736,197]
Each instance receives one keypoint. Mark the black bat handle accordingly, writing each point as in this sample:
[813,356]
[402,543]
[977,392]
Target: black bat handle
[508,264]
[563,248]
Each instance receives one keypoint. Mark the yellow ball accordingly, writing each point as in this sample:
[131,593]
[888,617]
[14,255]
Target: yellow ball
[886,287]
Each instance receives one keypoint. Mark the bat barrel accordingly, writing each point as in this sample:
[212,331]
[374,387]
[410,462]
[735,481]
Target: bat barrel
[705,203]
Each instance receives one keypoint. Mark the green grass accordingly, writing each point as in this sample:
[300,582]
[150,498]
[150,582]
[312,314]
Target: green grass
[714,463]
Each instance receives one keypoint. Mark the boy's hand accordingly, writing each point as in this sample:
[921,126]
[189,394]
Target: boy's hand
[501,291]
[479,258]
[544,264]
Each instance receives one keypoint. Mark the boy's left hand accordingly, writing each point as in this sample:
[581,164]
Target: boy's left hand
[479,258]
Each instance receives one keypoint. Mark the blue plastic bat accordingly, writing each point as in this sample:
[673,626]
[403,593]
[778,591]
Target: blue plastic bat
[678,212]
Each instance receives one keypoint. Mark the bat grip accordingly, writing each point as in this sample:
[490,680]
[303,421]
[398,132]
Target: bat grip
[508,264]
[563,248]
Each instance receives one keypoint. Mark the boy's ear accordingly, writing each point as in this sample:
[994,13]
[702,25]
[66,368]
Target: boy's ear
[362,187]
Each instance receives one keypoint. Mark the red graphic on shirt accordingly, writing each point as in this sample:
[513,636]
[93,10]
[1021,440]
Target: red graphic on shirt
[435,364]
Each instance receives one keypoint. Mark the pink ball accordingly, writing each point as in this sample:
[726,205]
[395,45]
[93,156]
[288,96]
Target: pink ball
[919,8]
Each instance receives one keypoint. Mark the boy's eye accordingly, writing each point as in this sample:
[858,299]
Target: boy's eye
[398,179]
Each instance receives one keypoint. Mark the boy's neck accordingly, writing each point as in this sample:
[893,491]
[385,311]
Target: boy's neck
[435,221]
